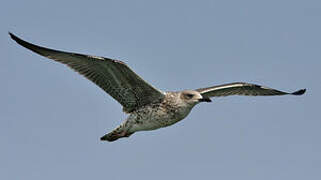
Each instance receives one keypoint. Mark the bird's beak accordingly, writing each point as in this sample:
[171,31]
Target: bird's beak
[205,99]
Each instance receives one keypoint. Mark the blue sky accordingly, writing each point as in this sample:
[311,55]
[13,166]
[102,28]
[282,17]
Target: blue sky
[51,118]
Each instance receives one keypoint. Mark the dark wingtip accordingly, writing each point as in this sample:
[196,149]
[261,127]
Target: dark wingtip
[299,92]
[15,38]
[12,35]
[32,47]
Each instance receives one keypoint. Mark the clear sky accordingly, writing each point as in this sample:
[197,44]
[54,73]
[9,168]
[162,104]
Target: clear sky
[51,118]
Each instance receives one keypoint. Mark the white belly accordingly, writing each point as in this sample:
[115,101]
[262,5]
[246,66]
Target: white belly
[152,119]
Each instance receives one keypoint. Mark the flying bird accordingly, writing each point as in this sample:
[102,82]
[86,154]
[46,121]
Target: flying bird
[148,107]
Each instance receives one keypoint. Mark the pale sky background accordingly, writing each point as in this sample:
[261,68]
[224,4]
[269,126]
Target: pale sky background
[51,118]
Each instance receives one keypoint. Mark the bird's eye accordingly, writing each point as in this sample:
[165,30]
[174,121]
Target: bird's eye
[190,96]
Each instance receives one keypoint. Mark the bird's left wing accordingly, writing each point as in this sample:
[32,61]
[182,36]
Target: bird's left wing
[113,76]
[245,89]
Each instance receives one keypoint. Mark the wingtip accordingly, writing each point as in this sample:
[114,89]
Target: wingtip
[299,92]
[32,47]
[11,35]
[14,37]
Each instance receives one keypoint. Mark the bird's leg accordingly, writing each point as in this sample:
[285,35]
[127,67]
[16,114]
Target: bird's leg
[128,134]
[120,132]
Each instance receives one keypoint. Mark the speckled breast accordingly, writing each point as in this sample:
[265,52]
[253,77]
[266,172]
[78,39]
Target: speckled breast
[156,116]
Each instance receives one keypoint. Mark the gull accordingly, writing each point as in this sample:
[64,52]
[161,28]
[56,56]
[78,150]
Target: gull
[148,107]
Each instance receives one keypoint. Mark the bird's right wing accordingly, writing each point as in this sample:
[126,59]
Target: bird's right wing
[245,89]
[113,76]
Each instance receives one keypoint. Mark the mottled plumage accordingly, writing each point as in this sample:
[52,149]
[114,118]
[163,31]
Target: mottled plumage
[113,76]
[148,107]
[241,88]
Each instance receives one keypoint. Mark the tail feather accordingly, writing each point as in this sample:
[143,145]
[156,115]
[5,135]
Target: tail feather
[112,136]
[115,134]
[120,132]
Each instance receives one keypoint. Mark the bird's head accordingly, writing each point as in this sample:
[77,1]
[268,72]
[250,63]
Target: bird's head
[193,97]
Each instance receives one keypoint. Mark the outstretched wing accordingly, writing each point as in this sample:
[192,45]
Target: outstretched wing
[113,76]
[245,89]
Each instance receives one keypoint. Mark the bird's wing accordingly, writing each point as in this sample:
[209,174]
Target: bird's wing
[113,76]
[245,89]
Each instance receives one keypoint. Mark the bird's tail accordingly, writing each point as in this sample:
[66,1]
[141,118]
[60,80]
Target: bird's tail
[112,136]
[117,133]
